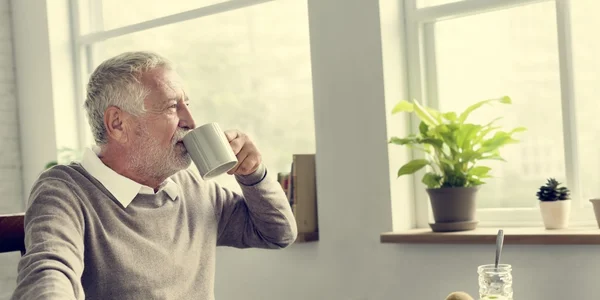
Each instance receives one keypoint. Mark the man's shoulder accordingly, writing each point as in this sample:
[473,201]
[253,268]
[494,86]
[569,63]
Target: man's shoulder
[70,174]
[58,186]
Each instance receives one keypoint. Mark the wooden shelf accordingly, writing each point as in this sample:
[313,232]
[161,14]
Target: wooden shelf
[512,235]
[306,237]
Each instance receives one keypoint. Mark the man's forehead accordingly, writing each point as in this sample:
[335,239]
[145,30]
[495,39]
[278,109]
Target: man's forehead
[165,81]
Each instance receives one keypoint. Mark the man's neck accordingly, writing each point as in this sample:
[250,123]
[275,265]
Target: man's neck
[120,162]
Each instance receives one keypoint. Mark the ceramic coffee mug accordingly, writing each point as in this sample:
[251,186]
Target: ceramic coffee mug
[210,150]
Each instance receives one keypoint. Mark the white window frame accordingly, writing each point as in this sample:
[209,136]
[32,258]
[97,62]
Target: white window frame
[86,35]
[422,84]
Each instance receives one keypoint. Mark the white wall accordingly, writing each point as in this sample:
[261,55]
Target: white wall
[352,100]
[40,37]
[10,154]
[34,83]
[349,263]
[45,81]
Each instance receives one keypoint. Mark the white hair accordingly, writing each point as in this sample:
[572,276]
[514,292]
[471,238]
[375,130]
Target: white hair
[117,82]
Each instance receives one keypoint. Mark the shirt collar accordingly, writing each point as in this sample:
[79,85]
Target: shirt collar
[121,187]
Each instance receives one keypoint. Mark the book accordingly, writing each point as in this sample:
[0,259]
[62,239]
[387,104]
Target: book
[302,191]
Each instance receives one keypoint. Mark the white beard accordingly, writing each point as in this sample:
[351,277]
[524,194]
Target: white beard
[155,161]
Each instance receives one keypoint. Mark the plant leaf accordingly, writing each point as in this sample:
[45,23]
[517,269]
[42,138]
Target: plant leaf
[423,128]
[505,100]
[412,166]
[518,129]
[470,155]
[435,114]
[423,114]
[437,143]
[50,165]
[403,106]
[431,180]
[479,171]
[403,141]
[450,116]
[493,157]
[499,139]
[466,134]
[470,109]
[475,181]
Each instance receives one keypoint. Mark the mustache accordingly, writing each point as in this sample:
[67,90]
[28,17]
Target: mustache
[179,134]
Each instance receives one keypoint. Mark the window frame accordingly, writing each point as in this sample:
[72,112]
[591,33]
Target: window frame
[85,36]
[422,84]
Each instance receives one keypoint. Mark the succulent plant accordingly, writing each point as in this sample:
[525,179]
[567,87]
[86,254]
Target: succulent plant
[552,191]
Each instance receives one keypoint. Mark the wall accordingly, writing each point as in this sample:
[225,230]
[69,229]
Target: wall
[349,263]
[10,154]
[41,50]
[45,79]
[356,80]
[10,157]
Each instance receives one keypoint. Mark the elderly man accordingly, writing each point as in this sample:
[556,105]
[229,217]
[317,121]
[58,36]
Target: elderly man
[130,221]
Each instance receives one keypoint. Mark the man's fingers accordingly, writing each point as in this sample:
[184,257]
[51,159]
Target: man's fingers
[248,162]
[247,155]
[241,156]
[236,145]
[249,165]
[231,134]
[246,167]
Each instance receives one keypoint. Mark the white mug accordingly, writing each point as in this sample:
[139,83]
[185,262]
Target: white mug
[210,151]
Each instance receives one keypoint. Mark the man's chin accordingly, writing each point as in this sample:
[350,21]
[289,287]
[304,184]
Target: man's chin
[184,162]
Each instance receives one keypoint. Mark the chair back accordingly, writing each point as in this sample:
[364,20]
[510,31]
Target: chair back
[12,233]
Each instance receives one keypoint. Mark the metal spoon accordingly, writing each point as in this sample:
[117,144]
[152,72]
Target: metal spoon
[499,243]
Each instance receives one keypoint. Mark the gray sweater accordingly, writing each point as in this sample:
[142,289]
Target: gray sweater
[83,244]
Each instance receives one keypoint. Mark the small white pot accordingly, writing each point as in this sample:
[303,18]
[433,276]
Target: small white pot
[556,213]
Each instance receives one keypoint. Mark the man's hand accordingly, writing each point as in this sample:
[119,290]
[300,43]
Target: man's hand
[249,159]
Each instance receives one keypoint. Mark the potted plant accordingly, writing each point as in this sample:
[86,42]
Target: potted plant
[453,151]
[555,204]
[65,156]
[596,206]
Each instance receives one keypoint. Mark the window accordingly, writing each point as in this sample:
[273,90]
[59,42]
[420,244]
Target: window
[460,52]
[245,67]
[428,3]
[119,13]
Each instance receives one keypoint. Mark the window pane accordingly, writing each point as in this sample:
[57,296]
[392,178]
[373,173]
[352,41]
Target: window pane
[428,3]
[253,76]
[509,52]
[118,13]
[587,72]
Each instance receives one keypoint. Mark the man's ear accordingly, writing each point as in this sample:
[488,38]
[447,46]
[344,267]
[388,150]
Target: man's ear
[115,122]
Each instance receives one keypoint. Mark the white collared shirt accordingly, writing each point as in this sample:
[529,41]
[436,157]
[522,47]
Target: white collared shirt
[121,187]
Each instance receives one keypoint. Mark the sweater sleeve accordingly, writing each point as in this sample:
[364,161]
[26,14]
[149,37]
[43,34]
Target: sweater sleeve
[261,217]
[53,263]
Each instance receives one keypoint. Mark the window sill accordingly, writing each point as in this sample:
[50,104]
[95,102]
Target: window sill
[512,235]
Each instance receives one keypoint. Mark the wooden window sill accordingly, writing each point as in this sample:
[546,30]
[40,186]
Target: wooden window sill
[512,235]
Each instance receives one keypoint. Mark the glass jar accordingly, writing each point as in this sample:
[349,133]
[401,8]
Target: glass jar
[495,283]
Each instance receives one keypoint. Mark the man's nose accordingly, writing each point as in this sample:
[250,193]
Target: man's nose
[185,118]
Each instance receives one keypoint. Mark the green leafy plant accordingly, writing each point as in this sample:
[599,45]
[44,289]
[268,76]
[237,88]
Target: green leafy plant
[552,191]
[453,146]
[65,156]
